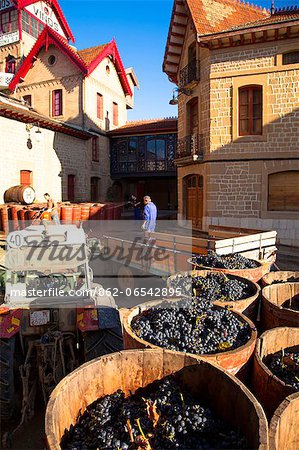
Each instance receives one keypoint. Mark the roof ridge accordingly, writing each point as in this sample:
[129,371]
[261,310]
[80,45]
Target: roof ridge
[93,47]
[151,120]
[286,10]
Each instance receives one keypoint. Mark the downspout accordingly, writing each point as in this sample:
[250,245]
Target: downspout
[83,102]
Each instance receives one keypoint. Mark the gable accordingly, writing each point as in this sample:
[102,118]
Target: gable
[45,14]
[43,71]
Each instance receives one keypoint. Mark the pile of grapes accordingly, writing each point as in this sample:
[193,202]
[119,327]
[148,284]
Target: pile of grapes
[234,261]
[158,417]
[215,286]
[285,365]
[191,325]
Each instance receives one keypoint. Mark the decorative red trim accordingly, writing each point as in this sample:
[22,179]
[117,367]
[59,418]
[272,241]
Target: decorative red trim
[20,4]
[46,38]
[111,49]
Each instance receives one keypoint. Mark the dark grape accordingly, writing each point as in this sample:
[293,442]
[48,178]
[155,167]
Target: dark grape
[161,416]
[215,286]
[285,365]
[233,261]
[192,325]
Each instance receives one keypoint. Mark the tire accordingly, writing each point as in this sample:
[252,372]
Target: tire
[7,388]
[101,342]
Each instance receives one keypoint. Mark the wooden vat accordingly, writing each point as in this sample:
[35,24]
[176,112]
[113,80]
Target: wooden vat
[275,298]
[284,426]
[282,276]
[129,370]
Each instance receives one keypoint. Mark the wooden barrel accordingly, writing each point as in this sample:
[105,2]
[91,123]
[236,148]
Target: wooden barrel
[130,370]
[76,214]
[20,194]
[274,299]
[85,211]
[284,426]
[282,276]
[21,218]
[66,214]
[95,211]
[4,219]
[248,306]
[269,389]
[232,360]
[254,274]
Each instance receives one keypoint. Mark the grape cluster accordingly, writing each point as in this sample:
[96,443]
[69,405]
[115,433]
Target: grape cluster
[234,261]
[285,365]
[191,325]
[161,416]
[215,286]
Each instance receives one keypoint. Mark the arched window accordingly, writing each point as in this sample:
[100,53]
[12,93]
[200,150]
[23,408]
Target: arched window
[156,154]
[250,110]
[10,65]
[283,191]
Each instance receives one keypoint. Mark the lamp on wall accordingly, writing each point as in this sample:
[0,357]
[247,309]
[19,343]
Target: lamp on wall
[175,92]
[38,134]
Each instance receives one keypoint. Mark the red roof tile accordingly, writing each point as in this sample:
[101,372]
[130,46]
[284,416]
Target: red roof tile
[147,126]
[273,19]
[212,16]
[88,55]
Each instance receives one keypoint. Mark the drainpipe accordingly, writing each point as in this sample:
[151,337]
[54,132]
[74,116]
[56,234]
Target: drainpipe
[83,103]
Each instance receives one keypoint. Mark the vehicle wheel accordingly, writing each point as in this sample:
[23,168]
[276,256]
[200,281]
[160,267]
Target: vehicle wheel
[101,342]
[7,388]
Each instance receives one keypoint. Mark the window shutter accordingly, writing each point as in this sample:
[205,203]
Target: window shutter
[115,113]
[99,106]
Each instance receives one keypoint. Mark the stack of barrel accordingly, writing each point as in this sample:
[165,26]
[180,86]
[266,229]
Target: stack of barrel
[14,216]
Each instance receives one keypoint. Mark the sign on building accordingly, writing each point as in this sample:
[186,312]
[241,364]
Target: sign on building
[5,4]
[43,12]
[9,38]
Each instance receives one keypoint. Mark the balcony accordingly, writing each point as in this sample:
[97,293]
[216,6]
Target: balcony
[190,146]
[5,79]
[189,74]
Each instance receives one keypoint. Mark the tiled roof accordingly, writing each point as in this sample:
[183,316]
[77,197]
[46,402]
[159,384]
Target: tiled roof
[147,126]
[88,55]
[271,20]
[212,16]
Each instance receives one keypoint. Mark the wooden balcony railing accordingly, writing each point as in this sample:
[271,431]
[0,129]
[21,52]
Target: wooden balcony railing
[189,73]
[190,146]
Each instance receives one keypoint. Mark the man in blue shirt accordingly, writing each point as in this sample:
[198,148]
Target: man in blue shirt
[149,215]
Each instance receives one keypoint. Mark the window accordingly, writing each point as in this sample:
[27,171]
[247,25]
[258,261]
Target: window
[156,154]
[290,57]
[28,99]
[57,103]
[52,60]
[115,114]
[94,189]
[95,149]
[71,187]
[10,64]
[100,106]
[250,110]
[283,191]
[26,177]
[9,22]
[30,25]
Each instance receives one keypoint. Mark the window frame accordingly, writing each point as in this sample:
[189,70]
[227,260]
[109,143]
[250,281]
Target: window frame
[285,54]
[95,151]
[115,115]
[53,105]
[100,106]
[250,89]
[28,103]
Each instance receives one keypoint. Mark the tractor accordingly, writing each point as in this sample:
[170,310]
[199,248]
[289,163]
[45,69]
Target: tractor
[53,317]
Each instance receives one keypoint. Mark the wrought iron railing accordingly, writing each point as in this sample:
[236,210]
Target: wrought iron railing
[190,146]
[189,73]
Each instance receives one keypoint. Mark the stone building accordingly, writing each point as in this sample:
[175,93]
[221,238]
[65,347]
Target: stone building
[142,160]
[237,71]
[43,153]
[88,89]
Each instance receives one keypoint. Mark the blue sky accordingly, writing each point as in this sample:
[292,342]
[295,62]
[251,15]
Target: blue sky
[140,28]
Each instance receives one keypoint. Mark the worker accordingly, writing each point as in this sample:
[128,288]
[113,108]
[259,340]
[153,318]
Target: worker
[149,215]
[52,208]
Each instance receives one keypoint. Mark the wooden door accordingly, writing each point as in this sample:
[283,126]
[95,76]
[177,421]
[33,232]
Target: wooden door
[71,187]
[194,200]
